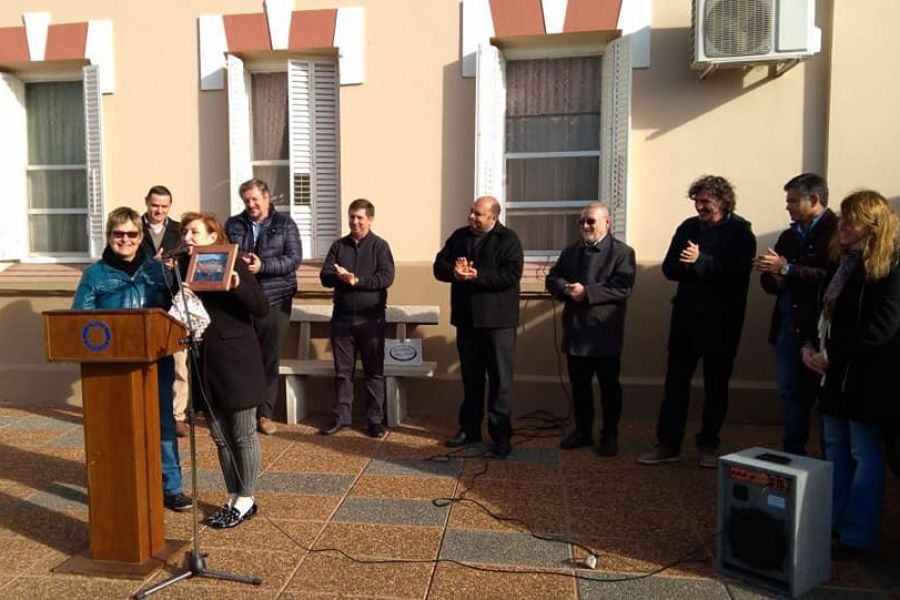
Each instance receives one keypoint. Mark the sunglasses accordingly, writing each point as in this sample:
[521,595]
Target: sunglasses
[587,221]
[120,235]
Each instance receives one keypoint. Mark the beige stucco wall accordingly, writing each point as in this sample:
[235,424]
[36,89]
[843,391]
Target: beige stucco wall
[407,143]
[863,126]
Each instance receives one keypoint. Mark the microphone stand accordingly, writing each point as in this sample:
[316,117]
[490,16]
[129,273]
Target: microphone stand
[195,563]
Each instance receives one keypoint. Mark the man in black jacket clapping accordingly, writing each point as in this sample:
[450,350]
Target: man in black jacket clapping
[360,268]
[483,264]
[710,256]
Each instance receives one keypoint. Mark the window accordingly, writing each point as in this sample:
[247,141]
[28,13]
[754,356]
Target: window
[51,165]
[57,169]
[283,128]
[551,137]
[552,147]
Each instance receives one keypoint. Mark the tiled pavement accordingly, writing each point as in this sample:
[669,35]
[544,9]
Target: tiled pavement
[348,516]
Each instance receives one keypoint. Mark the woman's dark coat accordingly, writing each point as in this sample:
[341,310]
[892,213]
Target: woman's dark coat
[232,366]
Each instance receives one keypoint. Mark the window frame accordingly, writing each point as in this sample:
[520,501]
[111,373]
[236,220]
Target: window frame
[16,244]
[615,124]
[317,218]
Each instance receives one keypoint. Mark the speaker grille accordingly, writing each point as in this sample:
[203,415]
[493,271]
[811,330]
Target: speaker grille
[737,28]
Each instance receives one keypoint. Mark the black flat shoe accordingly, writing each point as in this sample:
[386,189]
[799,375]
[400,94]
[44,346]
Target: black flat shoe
[576,439]
[462,439]
[233,518]
[376,430]
[608,446]
[333,430]
[215,519]
[498,451]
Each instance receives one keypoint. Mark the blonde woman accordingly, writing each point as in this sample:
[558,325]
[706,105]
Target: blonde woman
[858,358]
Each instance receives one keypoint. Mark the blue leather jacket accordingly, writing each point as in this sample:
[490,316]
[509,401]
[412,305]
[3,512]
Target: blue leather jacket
[103,286]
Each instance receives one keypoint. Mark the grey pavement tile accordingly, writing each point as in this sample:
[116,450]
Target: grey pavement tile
[540,456]
[38,423]
[884,571]
[60,497]
[740,590]
[71,439]
[297,483]
[501,547]
[207,479]
[387,511]
[413,467]
[610,585]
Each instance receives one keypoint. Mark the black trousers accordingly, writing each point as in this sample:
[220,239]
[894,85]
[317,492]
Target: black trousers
[486,351]
[717,368]
[271,331]
[582,370]
[365,337]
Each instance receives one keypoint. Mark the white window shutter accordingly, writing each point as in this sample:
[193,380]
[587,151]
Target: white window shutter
[13,160]
[93,150]
[300,105]
[326,198]
[240,169]
[490,122]
[615,128]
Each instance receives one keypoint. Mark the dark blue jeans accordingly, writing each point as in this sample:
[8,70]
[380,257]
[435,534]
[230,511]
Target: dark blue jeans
[797,387]
[856,452]
[171,462]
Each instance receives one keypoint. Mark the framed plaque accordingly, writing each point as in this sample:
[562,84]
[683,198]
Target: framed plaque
[211,267]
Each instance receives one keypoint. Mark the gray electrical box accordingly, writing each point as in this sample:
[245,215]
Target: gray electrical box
[775,519]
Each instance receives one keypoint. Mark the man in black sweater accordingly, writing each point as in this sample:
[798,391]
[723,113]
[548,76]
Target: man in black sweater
[710,256]
[483,264]
[360,268]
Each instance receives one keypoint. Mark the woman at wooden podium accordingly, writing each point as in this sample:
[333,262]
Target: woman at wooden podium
[125,277]
[232,375]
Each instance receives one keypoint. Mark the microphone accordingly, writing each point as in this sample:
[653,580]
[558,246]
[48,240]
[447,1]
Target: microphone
[181,250]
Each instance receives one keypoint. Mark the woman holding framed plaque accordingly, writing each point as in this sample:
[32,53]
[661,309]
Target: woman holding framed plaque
[230,370]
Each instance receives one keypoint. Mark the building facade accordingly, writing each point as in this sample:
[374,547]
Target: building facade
[420,106]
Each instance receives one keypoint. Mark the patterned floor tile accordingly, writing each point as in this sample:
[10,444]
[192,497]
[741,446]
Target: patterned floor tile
[496,547]
[391,512]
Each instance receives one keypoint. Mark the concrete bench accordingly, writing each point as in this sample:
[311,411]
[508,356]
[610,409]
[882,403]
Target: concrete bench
[297,370]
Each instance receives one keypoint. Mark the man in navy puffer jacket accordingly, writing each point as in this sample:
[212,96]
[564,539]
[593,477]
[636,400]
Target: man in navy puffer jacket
[270,245]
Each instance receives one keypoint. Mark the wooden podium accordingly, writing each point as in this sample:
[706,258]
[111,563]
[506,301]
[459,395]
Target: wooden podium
[118,350]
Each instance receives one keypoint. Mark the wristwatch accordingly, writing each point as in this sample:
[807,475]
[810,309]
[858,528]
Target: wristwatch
[785,269]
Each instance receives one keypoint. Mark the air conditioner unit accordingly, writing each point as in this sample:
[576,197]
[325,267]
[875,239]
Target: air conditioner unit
[737,33]
[775,519]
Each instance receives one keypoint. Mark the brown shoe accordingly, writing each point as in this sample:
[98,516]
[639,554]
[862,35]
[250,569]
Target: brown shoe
[181,429]
[266,426]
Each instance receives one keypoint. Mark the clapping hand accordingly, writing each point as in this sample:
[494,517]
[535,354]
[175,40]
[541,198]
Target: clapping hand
[464,270]
[345,275]
[690,254]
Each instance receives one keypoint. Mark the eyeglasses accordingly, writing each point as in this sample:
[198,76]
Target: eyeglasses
[120,235]
[583,221]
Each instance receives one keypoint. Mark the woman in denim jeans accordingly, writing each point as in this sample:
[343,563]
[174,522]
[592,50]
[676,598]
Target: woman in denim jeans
[858,358]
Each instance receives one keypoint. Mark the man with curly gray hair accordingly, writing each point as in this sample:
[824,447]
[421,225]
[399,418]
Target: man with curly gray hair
[710,257]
